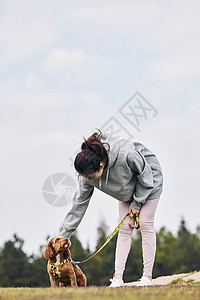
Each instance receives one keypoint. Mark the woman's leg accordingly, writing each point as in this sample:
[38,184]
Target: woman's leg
[123,241]
[146,222]
[147,215]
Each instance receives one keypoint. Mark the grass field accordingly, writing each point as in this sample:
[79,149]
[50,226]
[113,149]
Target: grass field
[103,293]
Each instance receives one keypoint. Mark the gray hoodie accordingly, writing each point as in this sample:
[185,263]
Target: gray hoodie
[133,175]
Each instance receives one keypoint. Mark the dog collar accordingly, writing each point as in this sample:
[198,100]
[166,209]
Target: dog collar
[62,263]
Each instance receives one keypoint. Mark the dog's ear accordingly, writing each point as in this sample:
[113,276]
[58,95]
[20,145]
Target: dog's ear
[48,250]
[68,243]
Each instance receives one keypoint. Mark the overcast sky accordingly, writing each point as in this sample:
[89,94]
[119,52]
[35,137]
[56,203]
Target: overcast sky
[66,68]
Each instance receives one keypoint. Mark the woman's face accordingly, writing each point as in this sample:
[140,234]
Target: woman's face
[95,175]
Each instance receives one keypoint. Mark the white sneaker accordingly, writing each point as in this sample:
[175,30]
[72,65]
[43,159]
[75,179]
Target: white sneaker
[144,281]
[116,282]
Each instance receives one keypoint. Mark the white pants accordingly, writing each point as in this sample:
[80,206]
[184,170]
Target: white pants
[146,222]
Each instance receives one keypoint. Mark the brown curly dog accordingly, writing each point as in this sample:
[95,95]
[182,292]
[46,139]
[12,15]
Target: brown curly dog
[60,266]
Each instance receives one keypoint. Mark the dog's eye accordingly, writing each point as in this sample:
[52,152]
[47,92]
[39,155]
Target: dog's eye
[50,245]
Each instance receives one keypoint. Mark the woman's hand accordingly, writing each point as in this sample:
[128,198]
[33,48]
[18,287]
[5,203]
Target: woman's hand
[133,211]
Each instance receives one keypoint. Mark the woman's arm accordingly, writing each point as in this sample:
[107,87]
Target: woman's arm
[144,185]
[80,203]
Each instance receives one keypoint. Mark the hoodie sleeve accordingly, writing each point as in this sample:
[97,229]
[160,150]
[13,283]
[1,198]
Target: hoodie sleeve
[81,201]
[144,184]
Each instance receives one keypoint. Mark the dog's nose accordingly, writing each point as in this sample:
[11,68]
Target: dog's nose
[67,243]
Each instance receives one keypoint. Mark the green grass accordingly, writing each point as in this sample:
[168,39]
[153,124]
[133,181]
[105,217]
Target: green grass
[178,281]
[90,293]
[184,281]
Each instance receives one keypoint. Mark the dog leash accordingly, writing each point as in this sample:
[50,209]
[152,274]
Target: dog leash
[136,226]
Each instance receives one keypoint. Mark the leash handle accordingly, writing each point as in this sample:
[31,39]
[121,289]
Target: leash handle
[136,225]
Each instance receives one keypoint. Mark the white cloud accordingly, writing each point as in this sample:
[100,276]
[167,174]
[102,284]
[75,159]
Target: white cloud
[168,32]
[153,20]
[22,36]
[119,16]
[75,66]
[177,47]
[31,107]
[60,60]
[20,4]
[194,110]
[33,82]
[174,69]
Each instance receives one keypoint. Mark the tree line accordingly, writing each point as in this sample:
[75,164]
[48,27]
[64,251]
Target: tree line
[177,253]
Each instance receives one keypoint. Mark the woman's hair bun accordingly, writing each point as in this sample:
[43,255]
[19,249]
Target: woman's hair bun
[93,152]
[86,145]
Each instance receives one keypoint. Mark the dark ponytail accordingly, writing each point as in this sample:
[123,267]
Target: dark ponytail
[93,152]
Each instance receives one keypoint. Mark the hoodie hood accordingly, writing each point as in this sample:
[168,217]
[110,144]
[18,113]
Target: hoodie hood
[114,150]
[112,155]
